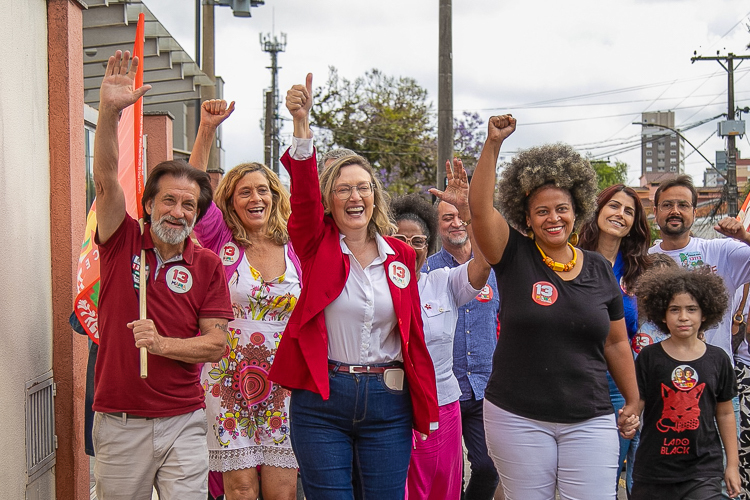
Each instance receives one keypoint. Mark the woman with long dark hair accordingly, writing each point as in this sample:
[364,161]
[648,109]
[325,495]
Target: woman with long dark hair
[619,231]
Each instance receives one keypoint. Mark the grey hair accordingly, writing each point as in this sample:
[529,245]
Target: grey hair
[333,154]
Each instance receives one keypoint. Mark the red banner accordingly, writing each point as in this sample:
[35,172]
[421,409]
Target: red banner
[130,175]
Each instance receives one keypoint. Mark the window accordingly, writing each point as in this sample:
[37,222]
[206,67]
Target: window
[649,160]
[673,161]
[89,165]
[673,152]
[649,153]
[649,168]
[649,144]
[673,144]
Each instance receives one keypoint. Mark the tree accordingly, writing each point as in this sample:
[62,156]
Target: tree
[469,134]
[608,175]
[385,119]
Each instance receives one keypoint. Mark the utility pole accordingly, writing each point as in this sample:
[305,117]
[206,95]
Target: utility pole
[729,128]
[209,68]
[240,8]
[272,45]
[445,91]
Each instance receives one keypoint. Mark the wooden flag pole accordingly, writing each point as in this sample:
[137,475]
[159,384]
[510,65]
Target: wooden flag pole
[142,303]
[139,185]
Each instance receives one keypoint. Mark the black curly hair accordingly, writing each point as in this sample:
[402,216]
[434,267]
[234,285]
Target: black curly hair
[556,165]
[415,208]
[657,287]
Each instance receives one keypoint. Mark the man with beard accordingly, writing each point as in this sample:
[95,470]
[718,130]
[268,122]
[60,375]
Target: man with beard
[473,345]
[674,207]
[152,432]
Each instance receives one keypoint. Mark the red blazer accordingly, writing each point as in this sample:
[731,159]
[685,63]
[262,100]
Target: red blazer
[301,361]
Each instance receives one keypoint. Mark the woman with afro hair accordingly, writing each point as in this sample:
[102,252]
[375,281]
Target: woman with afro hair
[436,466]
[686,388]
[549,421]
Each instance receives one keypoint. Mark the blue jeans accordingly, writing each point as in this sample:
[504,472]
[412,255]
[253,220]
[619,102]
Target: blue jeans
[484,478]
[618,401]
[355,445]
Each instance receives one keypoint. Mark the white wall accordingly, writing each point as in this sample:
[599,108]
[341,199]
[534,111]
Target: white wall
[25,275]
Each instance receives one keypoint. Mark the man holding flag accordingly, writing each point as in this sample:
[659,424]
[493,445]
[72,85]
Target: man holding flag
[152,431]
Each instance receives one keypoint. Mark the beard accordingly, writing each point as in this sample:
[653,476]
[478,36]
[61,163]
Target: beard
[674,231]
[457,240]
[171,235]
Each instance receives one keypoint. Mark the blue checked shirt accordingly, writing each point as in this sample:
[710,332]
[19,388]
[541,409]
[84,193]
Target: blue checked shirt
[476,332]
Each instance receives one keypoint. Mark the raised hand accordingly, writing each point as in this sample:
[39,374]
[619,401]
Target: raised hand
[500,127]
[117,90]
[457,191]
[215,111]
[732,228]
[299,99]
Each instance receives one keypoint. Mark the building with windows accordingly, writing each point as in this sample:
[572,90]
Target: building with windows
[662,149]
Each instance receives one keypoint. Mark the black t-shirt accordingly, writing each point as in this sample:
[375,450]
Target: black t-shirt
[679,439]
[549,362]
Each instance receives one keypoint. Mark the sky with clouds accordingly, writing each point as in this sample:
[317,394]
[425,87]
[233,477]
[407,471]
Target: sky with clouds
[579,72]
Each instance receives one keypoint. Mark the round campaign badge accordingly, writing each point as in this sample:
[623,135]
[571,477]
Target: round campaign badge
[485,294]
[229,254]
[684,377]
[179,279]
[399,274]
[544,293]
[640,340]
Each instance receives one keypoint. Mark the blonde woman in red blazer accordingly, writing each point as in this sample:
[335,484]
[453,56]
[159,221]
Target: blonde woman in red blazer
[351,418]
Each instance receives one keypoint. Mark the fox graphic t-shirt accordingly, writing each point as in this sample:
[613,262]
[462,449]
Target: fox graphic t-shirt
[679,439]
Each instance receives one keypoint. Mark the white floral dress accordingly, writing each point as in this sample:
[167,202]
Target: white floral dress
[248,415]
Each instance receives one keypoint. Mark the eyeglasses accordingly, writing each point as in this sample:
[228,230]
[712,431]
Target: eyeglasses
[418,241]
[668,206]
[344,191]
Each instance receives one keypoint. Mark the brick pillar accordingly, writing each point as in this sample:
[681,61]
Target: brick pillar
[157,126]
[67,221]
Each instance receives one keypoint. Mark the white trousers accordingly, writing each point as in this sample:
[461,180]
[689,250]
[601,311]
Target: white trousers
[533,457]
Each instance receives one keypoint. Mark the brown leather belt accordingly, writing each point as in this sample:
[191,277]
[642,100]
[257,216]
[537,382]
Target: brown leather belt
[375,370]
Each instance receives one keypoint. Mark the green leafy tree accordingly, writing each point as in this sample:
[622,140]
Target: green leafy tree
[608,175]
[386,119]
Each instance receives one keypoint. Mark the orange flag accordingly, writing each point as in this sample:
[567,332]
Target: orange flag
[130,175]
[744,214]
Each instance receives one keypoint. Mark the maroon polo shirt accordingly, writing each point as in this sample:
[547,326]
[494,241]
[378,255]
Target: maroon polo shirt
[191,288]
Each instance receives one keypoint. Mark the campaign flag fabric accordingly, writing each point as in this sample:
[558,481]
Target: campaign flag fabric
[130,175]
[744,214]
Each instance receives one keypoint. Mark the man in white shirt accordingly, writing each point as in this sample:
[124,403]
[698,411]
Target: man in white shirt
[674,207]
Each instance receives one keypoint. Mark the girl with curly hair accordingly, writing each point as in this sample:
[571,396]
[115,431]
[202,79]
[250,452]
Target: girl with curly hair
[548,418]
[436,466]
[619,231]
[686,388]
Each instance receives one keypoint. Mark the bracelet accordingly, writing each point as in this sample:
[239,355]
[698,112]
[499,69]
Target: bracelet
[466,222]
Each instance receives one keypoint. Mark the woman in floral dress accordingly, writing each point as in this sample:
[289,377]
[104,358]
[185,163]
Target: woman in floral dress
[248,419]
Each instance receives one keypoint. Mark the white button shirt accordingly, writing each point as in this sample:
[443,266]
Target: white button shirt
[362,322]
[442,292]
